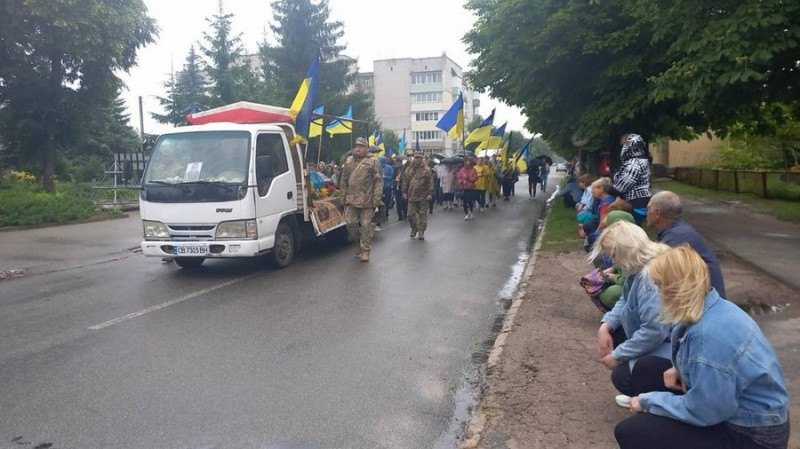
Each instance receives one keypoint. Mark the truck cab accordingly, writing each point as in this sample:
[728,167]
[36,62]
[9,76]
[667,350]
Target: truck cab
[231,190]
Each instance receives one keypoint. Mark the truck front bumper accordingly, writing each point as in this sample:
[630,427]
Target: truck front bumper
[208,249]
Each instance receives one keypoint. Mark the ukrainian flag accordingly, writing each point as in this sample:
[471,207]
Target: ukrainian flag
[482,132]
[372,137]
[303,103]
[380,145]
[494,140]
[341,125]
[522,156]
[316,124]
[453,120]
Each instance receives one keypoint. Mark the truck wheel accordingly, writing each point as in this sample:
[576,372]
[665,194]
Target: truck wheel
[338,236]
[189,262]
[283,251]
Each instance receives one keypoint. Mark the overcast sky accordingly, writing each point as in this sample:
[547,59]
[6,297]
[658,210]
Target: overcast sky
[376,29]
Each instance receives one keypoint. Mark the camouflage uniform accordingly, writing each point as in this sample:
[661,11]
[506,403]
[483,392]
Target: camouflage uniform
[362,188]
[417,186]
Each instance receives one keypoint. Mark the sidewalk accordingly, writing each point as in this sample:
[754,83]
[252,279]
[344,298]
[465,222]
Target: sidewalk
[65,245]
[545,386]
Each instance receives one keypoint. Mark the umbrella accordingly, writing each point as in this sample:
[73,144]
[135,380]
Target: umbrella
[547,159]
[439,156]
[374,149]
[535,161]
[453,160]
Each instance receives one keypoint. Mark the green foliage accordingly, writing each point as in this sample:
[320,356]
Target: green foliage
[58,73]
[728,58]
[187,91]
[224,51]
[302,28]
[732,158]
[24,203]
[561,230]
[603,68]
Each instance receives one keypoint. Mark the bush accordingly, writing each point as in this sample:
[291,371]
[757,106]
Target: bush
[24,203]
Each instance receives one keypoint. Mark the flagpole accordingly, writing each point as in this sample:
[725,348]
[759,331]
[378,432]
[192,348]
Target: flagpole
[319,149]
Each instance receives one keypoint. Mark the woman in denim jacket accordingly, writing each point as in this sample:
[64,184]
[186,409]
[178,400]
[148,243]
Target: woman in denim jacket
[730,390]
[632,329]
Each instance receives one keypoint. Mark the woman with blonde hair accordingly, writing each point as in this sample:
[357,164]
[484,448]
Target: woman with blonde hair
[632,329]
[729,389]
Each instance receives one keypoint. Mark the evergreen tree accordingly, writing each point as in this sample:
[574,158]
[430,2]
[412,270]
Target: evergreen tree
[187,91]
[302,28]
[227,68]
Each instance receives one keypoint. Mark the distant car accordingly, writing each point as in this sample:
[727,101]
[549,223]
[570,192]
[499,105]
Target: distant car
[561,166]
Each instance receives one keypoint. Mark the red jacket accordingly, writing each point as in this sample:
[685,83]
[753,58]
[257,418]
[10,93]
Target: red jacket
[467,177]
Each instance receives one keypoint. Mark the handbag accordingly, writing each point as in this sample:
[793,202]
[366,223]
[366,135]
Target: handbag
[594,282]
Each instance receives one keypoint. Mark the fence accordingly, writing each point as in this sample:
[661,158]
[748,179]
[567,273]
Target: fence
[120,185]
[767,184]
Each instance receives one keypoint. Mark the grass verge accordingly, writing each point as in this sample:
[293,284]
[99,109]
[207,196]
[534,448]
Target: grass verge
[561,230]
[780,209]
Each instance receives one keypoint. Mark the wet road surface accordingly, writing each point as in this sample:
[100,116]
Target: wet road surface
[328,353]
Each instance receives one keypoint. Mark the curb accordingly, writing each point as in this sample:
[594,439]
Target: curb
[475,427]
[92,219]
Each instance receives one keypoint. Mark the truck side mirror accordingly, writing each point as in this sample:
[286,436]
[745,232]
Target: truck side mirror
[264,168]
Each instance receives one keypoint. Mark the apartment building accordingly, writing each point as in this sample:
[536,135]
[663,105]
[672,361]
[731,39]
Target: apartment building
[411,95]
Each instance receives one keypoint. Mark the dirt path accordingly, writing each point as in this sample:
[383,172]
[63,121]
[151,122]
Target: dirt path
[549,390]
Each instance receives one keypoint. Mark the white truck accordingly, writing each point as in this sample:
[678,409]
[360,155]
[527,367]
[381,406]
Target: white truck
[231,187]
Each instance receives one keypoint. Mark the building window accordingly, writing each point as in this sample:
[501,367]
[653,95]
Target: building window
[426,78]
[428,135]
[426,116]
[427,97]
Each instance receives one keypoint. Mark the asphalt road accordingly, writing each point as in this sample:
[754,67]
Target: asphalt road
[103,348]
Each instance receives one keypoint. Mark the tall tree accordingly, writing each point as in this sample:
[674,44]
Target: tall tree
[187,91]
[729,59]
[301,28]
[57,63]
[598,69]
[227,67]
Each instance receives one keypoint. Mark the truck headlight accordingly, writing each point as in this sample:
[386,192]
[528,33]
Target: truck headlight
[155,230]
[239,229]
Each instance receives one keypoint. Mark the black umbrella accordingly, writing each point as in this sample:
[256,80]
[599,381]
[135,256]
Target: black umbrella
[439,156]
[374,149]
[535,161]
[547,159]
[453,160]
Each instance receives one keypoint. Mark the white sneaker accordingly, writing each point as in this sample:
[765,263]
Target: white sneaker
[471,216]
[377,228]
[466,217]
[623,401]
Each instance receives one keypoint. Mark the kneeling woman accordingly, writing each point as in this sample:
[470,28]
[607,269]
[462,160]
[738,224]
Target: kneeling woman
[730,389]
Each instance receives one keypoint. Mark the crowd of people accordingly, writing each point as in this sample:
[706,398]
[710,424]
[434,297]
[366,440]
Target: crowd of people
[694,368]
[371,187]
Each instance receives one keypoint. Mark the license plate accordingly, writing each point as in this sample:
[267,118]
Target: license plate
[190,250]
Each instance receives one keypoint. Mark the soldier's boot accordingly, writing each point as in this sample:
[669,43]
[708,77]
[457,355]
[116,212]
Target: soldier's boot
[413,233]
[422,235]
[365,256]
[358,250]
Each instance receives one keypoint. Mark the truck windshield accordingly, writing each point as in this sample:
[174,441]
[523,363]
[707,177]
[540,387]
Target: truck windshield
[213,156]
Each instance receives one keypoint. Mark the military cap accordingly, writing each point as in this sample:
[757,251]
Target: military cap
[362,141]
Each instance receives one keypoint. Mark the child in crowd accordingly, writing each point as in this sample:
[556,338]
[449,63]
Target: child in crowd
[587,200]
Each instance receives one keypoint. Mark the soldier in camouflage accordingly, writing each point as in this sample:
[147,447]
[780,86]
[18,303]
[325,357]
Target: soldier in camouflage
[362,188]
[418,190]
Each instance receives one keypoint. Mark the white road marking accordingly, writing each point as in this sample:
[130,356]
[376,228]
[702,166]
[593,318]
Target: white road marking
[171,302]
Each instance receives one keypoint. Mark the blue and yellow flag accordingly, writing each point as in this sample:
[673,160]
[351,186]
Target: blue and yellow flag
[316,124]
[372,137]
[521,157]
[494,140]
[401,147]
[453,120]
[303,103]
[340,125]
[482,132]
